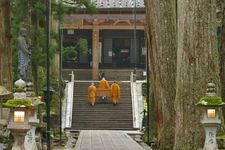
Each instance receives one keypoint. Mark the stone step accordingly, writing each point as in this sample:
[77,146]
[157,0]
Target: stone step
[110,74]
[104,115]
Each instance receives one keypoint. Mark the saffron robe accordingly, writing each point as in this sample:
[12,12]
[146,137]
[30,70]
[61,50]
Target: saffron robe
[115,92]
[103,84]
[91,94]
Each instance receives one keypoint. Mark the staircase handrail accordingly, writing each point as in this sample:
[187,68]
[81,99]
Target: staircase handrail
[69,104]
[134,101]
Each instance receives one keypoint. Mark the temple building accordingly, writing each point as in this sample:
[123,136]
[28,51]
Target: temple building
[115,35]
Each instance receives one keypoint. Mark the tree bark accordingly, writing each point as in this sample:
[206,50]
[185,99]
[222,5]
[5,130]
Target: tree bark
[161,32]
[197,62]
[5,49]
[221,36]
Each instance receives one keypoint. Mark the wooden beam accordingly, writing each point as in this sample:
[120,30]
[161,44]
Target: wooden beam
[105,27]
[70,18]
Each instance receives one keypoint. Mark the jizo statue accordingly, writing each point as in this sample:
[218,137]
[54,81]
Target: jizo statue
[23,55]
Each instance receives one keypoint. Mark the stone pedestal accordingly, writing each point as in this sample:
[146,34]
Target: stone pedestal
[210,126]
[30,143]
[210,140]
[18,140]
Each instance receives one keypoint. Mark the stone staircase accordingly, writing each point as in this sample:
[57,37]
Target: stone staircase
[104,115]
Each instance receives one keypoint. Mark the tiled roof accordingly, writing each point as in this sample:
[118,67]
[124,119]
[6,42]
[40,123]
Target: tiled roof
[118,3]
[114,3]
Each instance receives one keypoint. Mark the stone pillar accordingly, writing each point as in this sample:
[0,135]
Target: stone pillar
[95,50]
[210,140]
[18,140]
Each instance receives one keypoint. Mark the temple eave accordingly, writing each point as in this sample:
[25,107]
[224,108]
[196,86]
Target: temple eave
[104,27]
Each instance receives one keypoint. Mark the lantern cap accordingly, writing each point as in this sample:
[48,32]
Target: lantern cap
[37,101]
[211,99]
[4,91]
[20,83]
[19,103]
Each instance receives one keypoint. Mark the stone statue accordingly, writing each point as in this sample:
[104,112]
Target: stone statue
[23,54]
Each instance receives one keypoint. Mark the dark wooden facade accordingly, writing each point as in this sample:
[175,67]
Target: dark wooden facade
[111,39]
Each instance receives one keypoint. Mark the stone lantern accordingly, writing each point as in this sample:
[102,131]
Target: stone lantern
[33,137]
[20,111]
[4,94]
[211,104]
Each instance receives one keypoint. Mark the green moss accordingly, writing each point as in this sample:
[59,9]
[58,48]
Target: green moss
[19,90]
[15,103]
[210,101]
[221,137]
[52,113]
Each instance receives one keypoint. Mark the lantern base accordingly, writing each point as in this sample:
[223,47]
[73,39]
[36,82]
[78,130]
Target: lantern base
[18,140]
[210,140]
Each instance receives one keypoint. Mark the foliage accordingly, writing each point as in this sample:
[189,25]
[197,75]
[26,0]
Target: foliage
[38,56]
[70,53]
[4,139]
[14,103]
[210,101]
[40,80]
[19,10]
[39,9]
[18,89]
[144,89]
[220,137]
[31,15]
[90,6]
[61,8]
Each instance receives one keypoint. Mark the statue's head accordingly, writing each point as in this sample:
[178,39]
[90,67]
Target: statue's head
[23,31]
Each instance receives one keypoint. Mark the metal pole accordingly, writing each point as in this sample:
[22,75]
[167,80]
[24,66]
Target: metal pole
[148,96]
[135,33]
[60,83]
[48,21]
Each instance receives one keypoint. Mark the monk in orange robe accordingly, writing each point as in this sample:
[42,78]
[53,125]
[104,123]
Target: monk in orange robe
[115,92]
[104,88]
[103,84]
[92,94]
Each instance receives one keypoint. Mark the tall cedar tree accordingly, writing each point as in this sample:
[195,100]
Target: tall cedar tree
[5,49]
[184,55]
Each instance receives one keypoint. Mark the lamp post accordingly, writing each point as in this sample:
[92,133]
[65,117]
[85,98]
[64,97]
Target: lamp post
[135,33]
[60,83]
[148,96]
[211,104]
[48,20]
[47,97]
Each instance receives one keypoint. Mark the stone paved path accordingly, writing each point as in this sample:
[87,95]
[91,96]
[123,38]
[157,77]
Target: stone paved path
[105,140]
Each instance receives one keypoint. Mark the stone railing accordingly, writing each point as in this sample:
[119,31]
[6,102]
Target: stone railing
[137,101]
[68,104]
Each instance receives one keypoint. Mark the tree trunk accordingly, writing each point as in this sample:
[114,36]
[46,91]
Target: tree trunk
[161,32]
[5,49]
[221,35]
[197,62]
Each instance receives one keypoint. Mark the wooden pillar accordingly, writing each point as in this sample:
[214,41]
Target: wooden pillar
[95,50]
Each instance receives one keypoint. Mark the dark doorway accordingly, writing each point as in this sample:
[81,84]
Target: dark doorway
[121,52]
